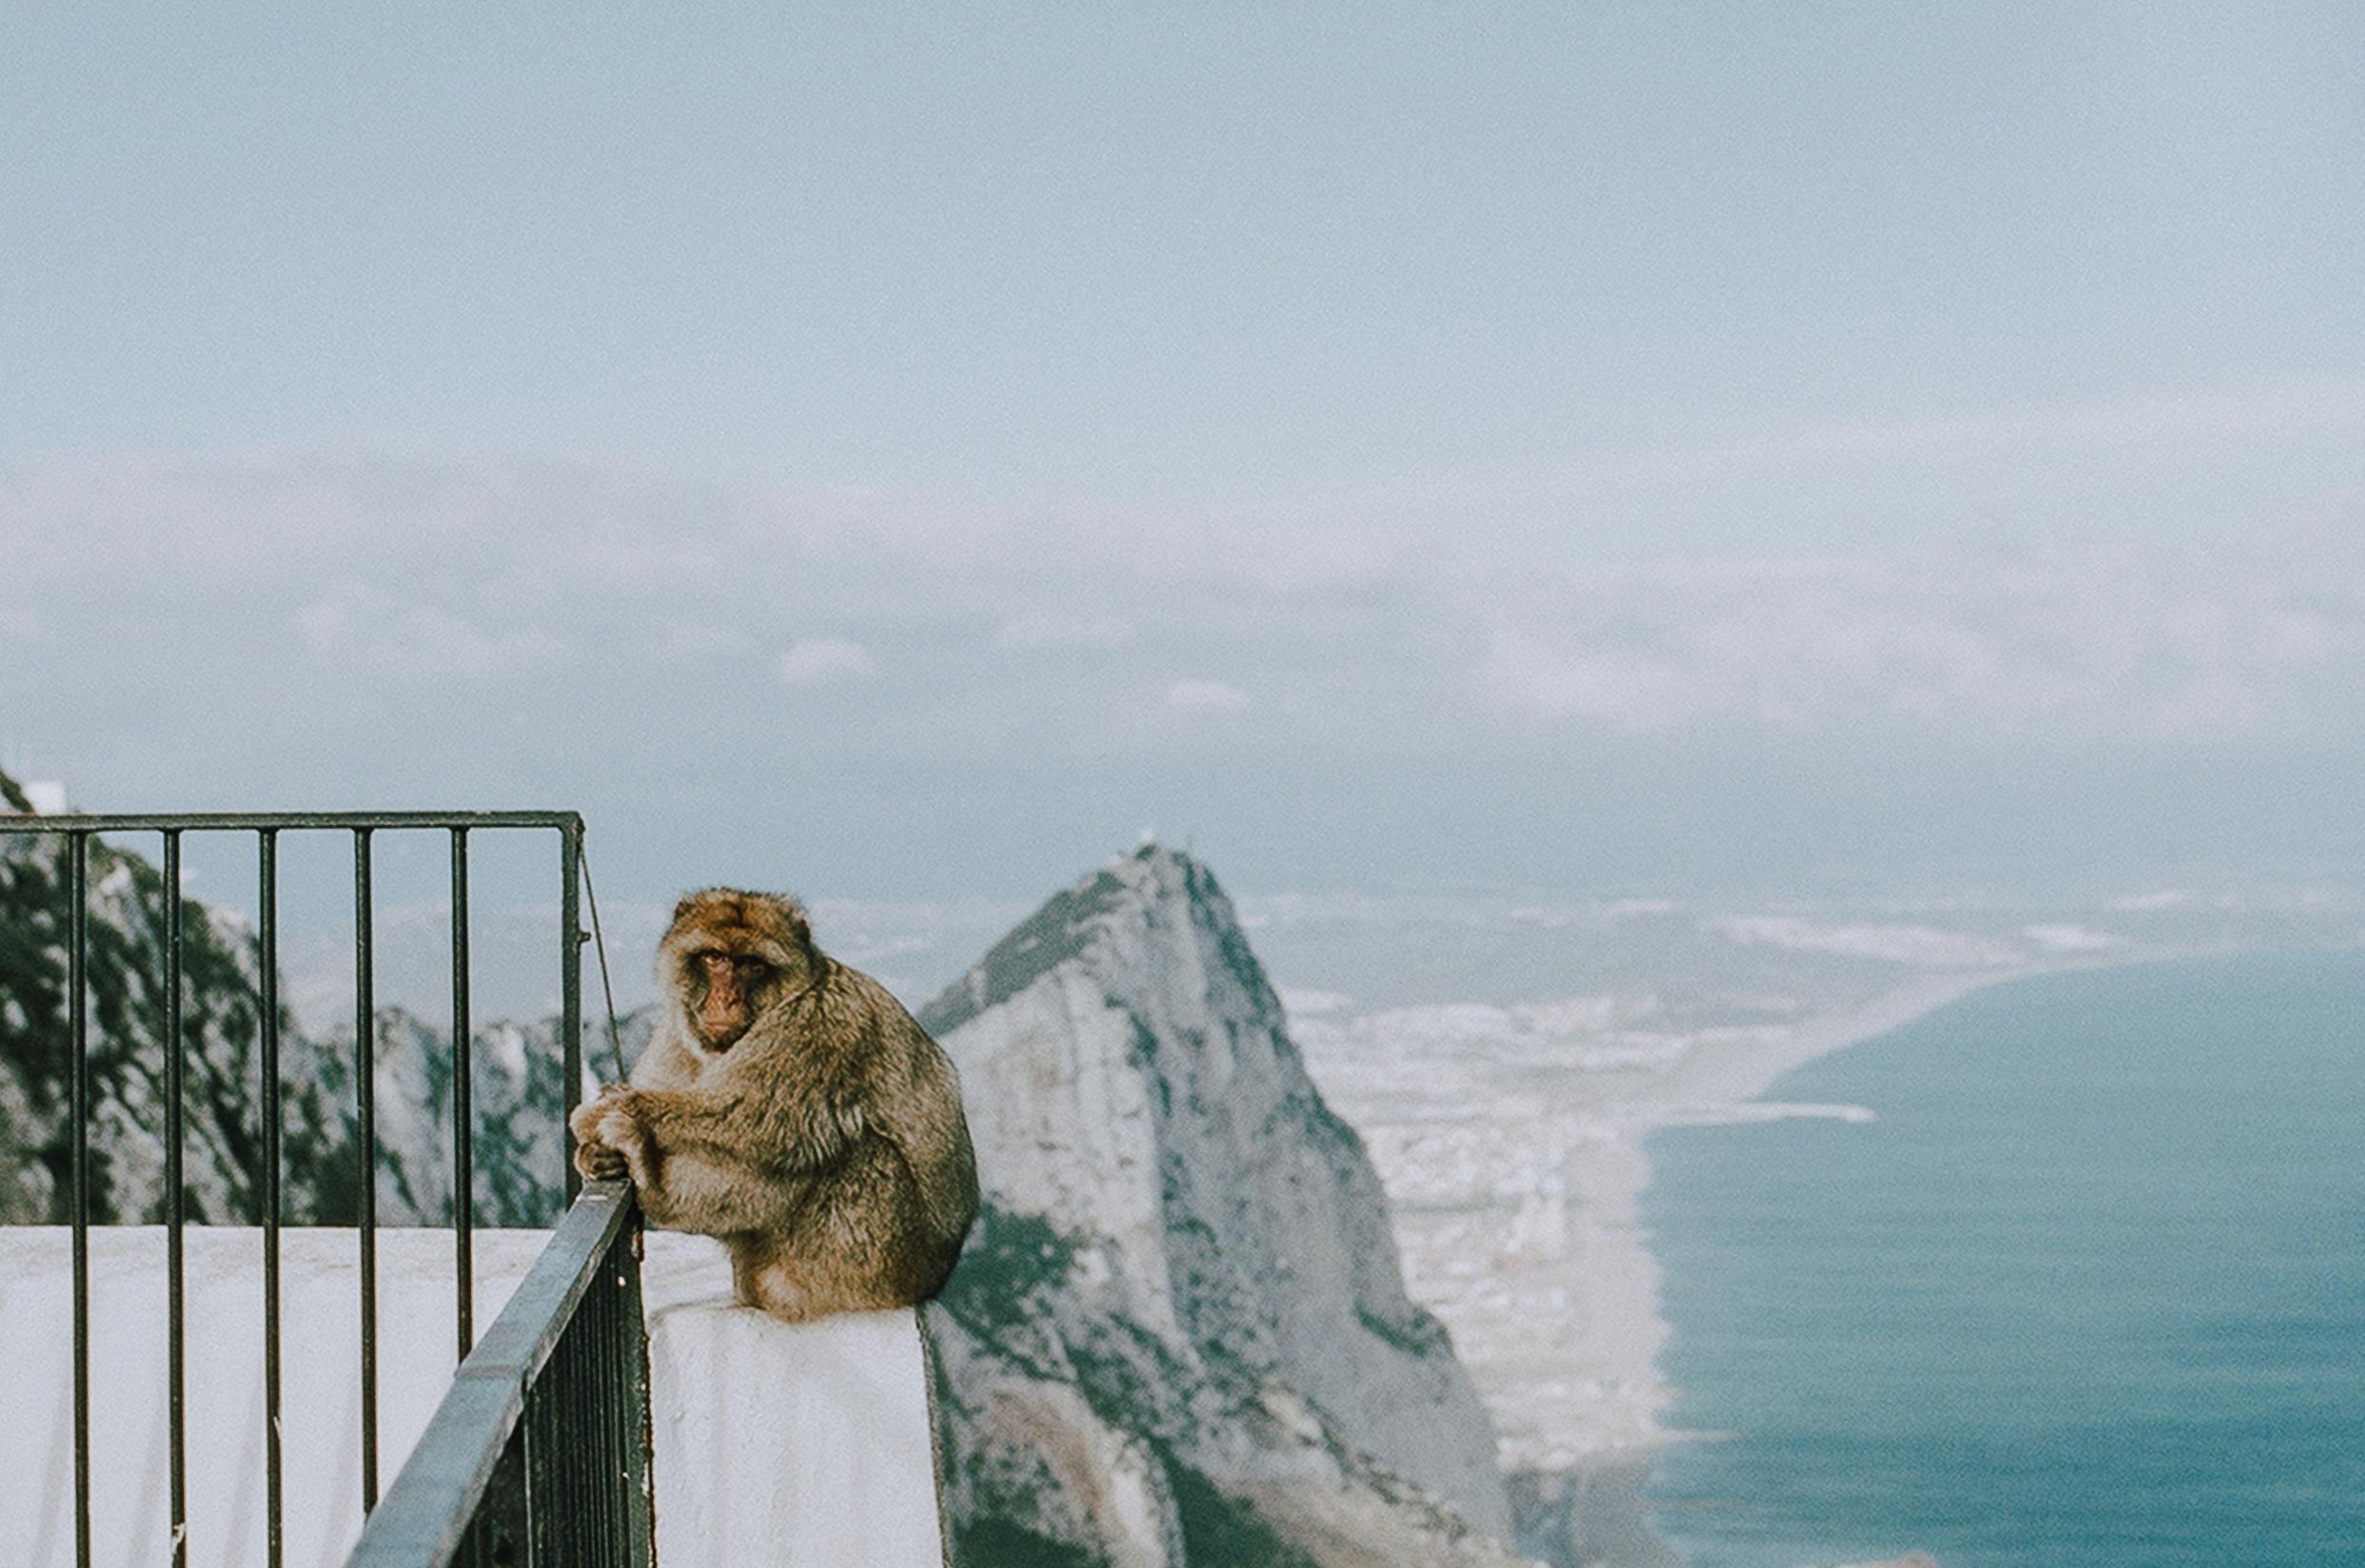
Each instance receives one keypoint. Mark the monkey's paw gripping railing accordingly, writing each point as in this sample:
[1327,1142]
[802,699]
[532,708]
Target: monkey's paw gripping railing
[539,1453]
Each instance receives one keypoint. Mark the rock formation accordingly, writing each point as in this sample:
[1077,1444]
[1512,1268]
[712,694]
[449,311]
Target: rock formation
[1181,1336]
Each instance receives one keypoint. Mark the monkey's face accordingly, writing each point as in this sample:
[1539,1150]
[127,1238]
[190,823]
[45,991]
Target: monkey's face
[726,990]
[728,955]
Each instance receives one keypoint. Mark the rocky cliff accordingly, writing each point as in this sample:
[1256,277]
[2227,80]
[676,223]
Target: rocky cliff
[1181,1336]
[220,1054]
[514,1077]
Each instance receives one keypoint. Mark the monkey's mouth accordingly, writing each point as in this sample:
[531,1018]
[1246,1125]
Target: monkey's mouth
[716,1041]
[719,1027]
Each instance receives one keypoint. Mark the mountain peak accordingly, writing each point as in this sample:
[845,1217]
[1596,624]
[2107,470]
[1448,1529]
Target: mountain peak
[1154,885]
[1131,1081]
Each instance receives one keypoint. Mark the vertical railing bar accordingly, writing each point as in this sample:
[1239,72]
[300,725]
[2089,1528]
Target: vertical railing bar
[639,1414]
[623,1355]
[268,875]
[78,1013]
[615,1483]
[175,1205]
[530,1458]
[596,1472]
[570,994]
[463,1176]
[586,1472]
[599,1470]
[365,1108]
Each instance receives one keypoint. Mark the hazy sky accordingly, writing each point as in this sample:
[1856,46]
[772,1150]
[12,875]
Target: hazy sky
[910,450]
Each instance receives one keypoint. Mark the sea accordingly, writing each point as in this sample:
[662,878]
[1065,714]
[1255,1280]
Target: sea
[2090,1292]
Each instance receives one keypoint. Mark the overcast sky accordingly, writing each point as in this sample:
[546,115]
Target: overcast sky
[910,450]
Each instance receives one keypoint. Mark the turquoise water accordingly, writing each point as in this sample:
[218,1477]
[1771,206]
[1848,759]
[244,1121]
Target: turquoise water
[2090,1293]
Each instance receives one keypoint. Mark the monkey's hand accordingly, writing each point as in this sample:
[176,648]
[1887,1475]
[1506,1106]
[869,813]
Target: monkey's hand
[610,1141]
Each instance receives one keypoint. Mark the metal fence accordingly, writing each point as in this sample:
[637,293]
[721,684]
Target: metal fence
[539,1455]
[568,1352]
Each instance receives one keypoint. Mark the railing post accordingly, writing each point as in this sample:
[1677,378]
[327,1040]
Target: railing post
[78,1013]
[463,1172]
[365,1114]
[175,1215]
[571,990]
[267,878]
[639,1420]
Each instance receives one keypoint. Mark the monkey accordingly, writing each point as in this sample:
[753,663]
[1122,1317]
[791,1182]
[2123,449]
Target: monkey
[791,1106]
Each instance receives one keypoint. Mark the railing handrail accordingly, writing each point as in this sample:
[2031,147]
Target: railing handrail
[255,822]
[425,1516]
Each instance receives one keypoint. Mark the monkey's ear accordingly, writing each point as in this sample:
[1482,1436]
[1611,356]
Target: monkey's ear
[793,919]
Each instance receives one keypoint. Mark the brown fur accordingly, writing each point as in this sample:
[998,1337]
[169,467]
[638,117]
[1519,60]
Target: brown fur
[789,1105]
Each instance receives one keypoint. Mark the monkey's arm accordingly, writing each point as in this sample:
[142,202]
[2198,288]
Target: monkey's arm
[698,1191]
[800,1134]
[696,1183]
[715,1163]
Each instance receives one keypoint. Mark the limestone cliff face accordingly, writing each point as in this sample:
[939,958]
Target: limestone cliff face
[519,1157]
[1182,1335]
[221,1051]
[516,1094]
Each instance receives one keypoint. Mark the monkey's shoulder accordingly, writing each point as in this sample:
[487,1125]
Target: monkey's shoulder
[854,1004]
[670,1062]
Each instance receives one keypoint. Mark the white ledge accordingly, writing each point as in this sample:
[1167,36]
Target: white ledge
[784,1445]
[778,1445]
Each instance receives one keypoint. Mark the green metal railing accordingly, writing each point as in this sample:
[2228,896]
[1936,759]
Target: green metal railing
[554,1400]
[539,1455]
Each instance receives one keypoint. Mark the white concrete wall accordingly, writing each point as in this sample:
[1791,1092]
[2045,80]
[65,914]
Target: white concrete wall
[784,1445]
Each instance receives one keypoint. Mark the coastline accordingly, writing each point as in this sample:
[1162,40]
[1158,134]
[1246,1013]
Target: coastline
[1608,1464]
[1511,1143]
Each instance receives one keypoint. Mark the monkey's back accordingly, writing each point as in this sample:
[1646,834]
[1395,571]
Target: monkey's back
[881,1221]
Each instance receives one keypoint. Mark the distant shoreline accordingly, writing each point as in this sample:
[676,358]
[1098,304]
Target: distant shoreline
[1706,1088]
[1614,1461]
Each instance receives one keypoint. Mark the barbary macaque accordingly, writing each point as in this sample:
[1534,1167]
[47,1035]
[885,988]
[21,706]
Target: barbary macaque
[790,1106]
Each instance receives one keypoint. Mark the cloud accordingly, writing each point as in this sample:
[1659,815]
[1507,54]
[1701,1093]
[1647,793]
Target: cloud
[275,575]
[1206,696]
[355,624]
[1309,1001]
[2281,455]
[1057,629]
[1554,673]
[2103,644]
[824,661]
[2153,903]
